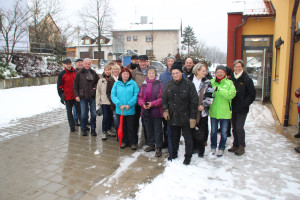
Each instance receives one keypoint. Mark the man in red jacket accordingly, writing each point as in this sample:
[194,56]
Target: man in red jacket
[65,91]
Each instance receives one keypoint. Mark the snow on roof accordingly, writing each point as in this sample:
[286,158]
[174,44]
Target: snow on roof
[156,24]
[253,7]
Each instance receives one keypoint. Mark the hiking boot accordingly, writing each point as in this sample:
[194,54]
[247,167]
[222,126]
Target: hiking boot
[220,153]
[297,149]
[297,135]
[93,132]
[150,148]
[201,155]
[133,147]
[233,149]
[158,152]
[187,160]
[173,156]
[104,136]
[123,145]
[213,151]
[72,129]
[111,133]
[83,132]
[240,151]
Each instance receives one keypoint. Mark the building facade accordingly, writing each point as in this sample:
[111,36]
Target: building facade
[265,34]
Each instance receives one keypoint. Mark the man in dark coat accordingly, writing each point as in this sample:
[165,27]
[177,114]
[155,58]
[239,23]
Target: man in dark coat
[188,67]
[245,95]
[179,103]
[85,85]
[65,91]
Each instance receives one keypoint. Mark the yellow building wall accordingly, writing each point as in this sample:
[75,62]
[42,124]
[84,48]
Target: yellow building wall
[279,86]
[263,26]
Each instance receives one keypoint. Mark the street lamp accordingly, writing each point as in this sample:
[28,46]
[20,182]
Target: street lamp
[78,31]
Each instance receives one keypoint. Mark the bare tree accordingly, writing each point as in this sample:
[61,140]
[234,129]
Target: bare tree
[14,27]
[97,20]
[215,55]
[199,50]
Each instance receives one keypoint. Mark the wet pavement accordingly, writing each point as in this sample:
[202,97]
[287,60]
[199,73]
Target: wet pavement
[42,160]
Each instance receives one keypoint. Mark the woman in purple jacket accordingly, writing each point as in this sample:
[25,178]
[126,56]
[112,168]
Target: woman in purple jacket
[150,99]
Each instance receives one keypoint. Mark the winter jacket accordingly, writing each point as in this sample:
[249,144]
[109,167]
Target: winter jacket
[207,96]
[181,99]
[65,82]
[165,76]
[224,93]
[156,89]
[187,74]
[101,97]
[245,93]
[125,94]
[138,76]
[84,85]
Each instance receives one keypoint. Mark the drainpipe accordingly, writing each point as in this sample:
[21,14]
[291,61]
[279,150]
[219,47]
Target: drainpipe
[244,20]
[291,62]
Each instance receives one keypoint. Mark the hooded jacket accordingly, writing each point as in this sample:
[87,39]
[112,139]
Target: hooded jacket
[125,94]
[65,82]
[101,97]
[221,107]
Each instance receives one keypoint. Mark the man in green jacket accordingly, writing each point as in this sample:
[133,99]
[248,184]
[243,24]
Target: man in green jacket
[220,110]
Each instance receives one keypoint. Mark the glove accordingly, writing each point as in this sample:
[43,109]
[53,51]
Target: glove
[62,99]
[166,115]
[216,89]
[192,123]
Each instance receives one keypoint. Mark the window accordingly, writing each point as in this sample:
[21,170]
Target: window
[148,38]
[128,38]
[135,38]
[149,52]
[136,51]
[128,51]
[87,41]
[277,63]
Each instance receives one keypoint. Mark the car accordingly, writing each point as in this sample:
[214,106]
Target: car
[159,66]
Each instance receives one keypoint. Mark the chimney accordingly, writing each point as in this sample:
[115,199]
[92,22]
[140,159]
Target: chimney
[144,20]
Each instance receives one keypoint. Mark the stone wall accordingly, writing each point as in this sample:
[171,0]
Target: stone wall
[23,82]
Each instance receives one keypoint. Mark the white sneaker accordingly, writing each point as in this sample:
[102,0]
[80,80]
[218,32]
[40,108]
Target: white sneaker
[220,153]
[111,133]
[104,135]
[213,151]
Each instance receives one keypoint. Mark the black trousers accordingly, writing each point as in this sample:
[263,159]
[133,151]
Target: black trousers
[130,136]
[238,121]
[188,139]
[198,146]
[69,106]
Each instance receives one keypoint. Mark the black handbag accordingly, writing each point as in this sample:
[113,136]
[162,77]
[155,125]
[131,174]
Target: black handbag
[198,134]
[99,111]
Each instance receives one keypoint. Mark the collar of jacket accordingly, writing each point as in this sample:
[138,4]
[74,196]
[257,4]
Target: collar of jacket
[72,69]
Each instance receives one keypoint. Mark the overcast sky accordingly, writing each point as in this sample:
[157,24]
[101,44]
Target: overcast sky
[207,17]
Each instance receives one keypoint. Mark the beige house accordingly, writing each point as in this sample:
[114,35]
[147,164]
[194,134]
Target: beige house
[156,39]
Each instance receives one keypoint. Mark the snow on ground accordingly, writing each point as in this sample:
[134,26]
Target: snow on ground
[27,101]
[268,170]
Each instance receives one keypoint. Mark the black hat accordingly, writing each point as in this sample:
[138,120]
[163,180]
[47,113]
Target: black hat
[118,60]
[77,60]
[67,61]
[134,57]
[177,65]
[143,57]
[221,67]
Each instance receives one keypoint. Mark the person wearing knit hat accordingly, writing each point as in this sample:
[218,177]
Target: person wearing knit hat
[179,103]
[220,109]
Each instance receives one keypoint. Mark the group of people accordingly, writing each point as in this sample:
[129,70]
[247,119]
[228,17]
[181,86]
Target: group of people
[174,103]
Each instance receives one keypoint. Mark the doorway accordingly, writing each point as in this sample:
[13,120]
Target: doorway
[257,60]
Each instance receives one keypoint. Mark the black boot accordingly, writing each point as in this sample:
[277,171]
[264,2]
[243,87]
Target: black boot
[187,159]
[93,132]
[83,132]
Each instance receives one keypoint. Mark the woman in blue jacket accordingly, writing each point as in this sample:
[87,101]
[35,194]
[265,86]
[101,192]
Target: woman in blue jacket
[124,96]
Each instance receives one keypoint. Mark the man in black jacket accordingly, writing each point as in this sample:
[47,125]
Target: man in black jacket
[245,95]
[179,103]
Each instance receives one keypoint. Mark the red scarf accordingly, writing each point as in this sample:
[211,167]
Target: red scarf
[219,79]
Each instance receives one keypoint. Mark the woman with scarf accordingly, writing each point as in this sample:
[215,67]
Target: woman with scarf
[220,110]
[150,100]
[102,100]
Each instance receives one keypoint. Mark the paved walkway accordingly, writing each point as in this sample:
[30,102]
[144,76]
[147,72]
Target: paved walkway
[42,160]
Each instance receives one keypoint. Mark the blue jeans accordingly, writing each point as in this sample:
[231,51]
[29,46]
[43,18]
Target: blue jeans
[87,105]
[214,132]
[116,120]
[75,114]
[107,118]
